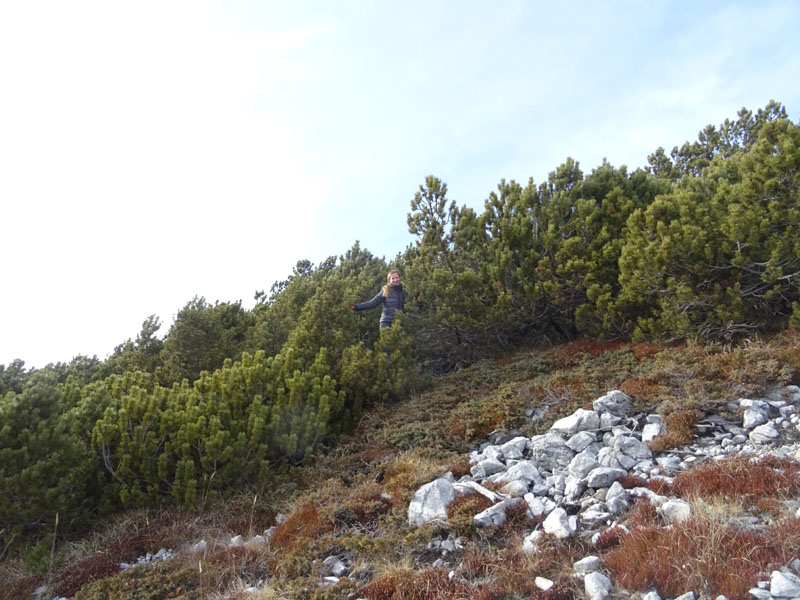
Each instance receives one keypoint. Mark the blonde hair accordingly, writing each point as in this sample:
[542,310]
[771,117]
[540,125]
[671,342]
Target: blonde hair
[386,288]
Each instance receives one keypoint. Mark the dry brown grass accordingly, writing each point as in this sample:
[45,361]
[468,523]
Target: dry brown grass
[744,477]
[679,430]
[304,523]
[429,584]
[643,390]
[16,584]
[711,553]
[702,555]
[406,472]
[512,571]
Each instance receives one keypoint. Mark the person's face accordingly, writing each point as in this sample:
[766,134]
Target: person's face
[394,278]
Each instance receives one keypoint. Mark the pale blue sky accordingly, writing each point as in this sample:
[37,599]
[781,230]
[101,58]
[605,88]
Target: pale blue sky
[153,151]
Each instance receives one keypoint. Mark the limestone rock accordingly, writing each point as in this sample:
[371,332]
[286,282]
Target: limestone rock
[430,501]
[580,420]
[559,524]
[615,402]
[597,586]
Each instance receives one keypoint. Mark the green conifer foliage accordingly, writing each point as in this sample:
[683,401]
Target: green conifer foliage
[191,442]
[44,469]
[718,258]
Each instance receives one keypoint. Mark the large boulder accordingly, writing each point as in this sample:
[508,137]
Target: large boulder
[430,501]
[614,402]
[580,420]
[550,451]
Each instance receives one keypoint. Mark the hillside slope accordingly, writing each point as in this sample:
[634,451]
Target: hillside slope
[345,517]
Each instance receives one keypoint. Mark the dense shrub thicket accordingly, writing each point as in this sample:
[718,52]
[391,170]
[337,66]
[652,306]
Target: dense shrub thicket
[703,243]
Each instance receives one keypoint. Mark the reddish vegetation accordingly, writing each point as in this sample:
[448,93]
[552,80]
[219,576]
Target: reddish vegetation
[679,430]
[701,555]
[610,538]
[657,485]
[646,389]
[514,571]
[69,579]
[304,523]
[590,347]
[645,350]
[643,514]
[706,554]
[430,584]
[19,588]
[631,481]
[741,477]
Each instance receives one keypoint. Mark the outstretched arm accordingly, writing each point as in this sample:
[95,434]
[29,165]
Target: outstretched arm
[378,299]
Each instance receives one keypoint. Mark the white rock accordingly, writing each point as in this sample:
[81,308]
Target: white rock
[597,586]
[753,417]
[630,446]
[543,583]
[236,541]
[559,524]
[764,434]
[530,544]
[601,477]
[746,403]
[464,488]
[573,488]
[669,462]
[514,449]
[536,506]
[580,420]
[256,540]
[652,595]
[581,440]
[515,489]
[642,492]
[595,516]
[617,498]
[492,516]
[614,402]
[783,584]
[609,420]
[652,430]
[487,467]
[686,596]
[581,465]
[675,510]
[550,451]
[588,564]
[524,470]
[430,502]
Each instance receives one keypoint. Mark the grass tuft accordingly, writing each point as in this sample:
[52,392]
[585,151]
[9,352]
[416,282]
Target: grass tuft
[701,555]
[752,480]
[679,430]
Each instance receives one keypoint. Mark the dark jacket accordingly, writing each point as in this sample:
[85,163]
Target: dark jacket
[395,301]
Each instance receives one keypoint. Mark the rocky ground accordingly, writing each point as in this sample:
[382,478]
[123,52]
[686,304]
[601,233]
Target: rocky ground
[517,478]
[570,475]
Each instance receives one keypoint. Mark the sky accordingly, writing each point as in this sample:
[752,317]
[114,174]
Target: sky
[154,151]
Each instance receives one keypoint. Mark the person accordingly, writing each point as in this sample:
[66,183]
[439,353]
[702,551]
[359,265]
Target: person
[391,296]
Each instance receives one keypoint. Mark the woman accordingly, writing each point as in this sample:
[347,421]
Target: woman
[391,296]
